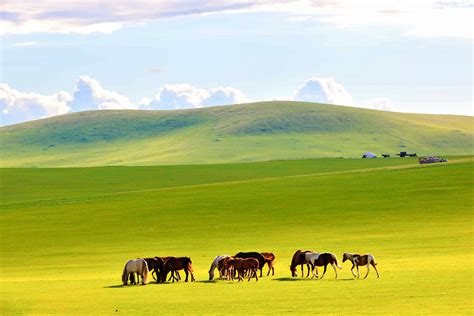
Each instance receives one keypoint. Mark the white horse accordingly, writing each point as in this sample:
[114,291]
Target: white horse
[139,266]
[214,265]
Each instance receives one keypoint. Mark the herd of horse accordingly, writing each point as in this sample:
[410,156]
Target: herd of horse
[241,266]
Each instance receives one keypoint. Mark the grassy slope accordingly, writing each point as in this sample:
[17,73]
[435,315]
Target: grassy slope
[248,132]
[65,255]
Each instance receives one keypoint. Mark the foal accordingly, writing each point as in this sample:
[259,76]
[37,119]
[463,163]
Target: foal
[360,260]
[242,266]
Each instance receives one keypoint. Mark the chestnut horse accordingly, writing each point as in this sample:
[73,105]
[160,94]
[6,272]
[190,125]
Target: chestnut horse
[322,260]
[299,259]
[242,266]
[255,255]
[175,264]
[360,260]
[222,267]
[269,258]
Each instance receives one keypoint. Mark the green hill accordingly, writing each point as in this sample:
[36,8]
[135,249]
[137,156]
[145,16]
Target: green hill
[236,133]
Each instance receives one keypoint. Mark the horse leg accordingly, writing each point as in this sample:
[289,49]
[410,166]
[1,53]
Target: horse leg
[261,271]
[368,269]
[324,272]
[273,270]
[307,265]
[334,267]
[187,273]
[376,271]
[302,271]
[358,272]
[352,270]
[256,276]
[269,269]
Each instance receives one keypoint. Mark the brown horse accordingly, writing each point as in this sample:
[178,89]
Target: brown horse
[242,266]
[156,266]
[299,259]
[175,264]
[255,255]
[322,260]
[269,258]
[222,267]
[360,260]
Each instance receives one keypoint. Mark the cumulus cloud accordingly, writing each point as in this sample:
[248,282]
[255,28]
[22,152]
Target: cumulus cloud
[182,96]
[382,104]
[90,95]
[327,90]
[450,18]
[18,106]
[323,90]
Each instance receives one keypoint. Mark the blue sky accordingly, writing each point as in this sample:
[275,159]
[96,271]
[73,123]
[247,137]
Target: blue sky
[398,57]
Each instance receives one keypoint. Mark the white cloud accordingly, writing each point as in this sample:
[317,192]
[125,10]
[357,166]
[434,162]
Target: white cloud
[383,104]
[25,44]
[327,90]
[323,90]
[182,96]
[18,106]
[451,18]
[90,95]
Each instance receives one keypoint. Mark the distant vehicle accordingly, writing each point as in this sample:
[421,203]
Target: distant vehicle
[369,155]
[386,155]
[431,159]
[405,154]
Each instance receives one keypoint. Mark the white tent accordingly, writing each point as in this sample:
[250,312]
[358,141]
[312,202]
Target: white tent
[369,155]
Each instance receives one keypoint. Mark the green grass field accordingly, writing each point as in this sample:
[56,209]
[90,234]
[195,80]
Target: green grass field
[65,235]
[235,133]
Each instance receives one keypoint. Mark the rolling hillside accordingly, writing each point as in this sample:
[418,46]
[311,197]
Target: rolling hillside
[237,133]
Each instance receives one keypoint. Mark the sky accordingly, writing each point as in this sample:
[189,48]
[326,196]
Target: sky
[66,56]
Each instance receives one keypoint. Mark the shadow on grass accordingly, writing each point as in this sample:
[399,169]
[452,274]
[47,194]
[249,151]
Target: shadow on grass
[290,279]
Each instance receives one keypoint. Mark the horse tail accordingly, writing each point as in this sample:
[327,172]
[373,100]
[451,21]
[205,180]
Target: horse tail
[125,275]
[373,260]
[190,266]
[337,262]
[145,272]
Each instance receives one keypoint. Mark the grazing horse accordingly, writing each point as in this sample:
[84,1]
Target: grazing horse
[269,258]
[156,266]
[255,255]
[299,259]
[322,260]
[214,265]
[174,264]
[242,266]
[139,266]
[360,260]
[222,267]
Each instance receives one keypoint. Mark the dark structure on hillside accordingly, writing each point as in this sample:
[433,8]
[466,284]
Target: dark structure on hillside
[405,154]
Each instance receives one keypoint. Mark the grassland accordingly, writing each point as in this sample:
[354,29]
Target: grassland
[238,133]
[66,233]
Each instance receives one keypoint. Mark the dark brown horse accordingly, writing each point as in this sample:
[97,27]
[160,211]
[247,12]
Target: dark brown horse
[269,258]
[156,266]
[254,255]
[175,264]
[222,267]
[299,259]
[242,267]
